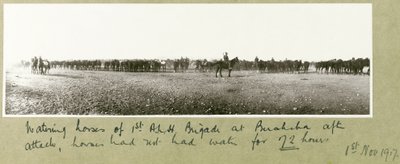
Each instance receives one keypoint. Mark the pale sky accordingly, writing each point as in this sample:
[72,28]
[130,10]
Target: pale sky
[310,32]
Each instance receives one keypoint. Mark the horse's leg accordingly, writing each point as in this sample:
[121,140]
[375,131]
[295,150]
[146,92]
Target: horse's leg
[229,74]
[216,73]
[220,72]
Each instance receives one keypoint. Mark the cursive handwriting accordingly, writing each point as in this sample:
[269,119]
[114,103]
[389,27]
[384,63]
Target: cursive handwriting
[201,130]
[44,128]
[368,151]
[261,128]
[80,128]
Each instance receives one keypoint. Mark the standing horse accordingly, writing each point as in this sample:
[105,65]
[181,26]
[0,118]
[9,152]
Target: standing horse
[305,66]
[176,64]
[34,68]
[225,65]
[184,64]
[163,65]
[46,66]
[40,65]
[199,66]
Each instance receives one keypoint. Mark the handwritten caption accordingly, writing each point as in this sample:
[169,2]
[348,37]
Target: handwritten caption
[369,151]
[261,135]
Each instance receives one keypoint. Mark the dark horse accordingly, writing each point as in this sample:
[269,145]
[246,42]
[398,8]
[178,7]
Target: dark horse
[34,66]
[44,66]
[225,65]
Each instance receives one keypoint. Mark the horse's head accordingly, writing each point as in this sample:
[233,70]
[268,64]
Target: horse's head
[235,60]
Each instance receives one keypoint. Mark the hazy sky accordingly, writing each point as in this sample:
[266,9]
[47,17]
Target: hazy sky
[146,31]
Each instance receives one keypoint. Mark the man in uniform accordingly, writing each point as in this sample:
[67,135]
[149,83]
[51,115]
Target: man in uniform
[226,58]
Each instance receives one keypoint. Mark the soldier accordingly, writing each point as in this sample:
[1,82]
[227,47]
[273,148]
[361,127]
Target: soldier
[226,58]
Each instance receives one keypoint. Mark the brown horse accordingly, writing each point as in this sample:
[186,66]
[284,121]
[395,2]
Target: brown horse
[46,66]
[43,66]
[34,66]
[225,65]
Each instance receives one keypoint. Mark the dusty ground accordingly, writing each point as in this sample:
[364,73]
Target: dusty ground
[69,92]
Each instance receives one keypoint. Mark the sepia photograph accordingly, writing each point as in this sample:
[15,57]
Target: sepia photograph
[187,59]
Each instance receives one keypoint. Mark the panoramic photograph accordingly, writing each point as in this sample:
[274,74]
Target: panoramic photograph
[187,59]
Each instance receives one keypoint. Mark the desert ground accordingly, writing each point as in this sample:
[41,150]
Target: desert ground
[73,92]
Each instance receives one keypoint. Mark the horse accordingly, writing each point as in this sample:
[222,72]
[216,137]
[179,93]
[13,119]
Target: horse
[260,65]
[198,65]
[163,65]
[201,65]
[225,65]
[206,66]
[40,65]
[177,64]
[155,65]
[305,66]
[43,66]
[46,66]
[184,64]
[34,68]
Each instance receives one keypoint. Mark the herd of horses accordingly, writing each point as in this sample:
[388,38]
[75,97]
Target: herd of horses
[353,66]
[282,66]
[135,65]
[39,66]
[138,65]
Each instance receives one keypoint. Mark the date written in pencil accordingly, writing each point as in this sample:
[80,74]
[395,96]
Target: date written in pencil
[366,150]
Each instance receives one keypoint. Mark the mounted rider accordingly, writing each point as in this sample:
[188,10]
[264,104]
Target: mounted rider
[226,59]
